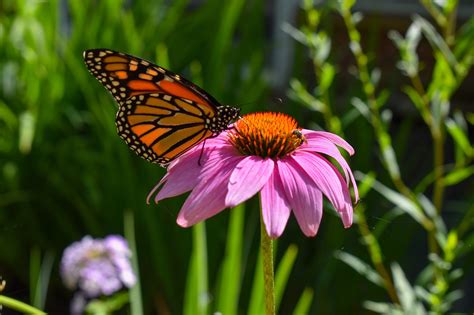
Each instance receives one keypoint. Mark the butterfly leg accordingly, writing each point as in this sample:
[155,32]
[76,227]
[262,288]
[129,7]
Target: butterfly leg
[200,154]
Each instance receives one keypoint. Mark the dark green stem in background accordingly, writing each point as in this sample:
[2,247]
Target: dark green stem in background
[368,87]
[266,245]
[375,252]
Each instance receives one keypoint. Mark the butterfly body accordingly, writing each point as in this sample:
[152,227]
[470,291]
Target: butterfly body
[161,115]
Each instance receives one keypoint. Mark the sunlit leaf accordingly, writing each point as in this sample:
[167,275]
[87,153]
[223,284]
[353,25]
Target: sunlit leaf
[459,136]
[361,267]
[405,292]
[304,303]
[458,175]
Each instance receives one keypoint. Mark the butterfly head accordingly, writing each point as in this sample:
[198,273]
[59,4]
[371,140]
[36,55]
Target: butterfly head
[225,115]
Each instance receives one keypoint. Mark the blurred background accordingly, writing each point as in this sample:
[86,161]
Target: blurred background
[64,172]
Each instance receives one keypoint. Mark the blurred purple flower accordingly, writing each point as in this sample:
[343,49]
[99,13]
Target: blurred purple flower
[264,153]
[97,266]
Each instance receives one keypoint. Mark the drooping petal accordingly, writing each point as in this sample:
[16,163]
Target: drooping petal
[327,147]
[329,181]
[275,207]
[208,197]
[312,135]
[303,195]
[247,179]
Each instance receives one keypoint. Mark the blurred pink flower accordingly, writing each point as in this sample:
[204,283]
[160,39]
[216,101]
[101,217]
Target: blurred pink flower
[266,153]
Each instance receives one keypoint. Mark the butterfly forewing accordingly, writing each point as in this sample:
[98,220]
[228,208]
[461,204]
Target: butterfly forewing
[161,115]
[126,76]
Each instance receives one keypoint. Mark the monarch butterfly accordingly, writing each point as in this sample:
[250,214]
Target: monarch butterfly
[161,115]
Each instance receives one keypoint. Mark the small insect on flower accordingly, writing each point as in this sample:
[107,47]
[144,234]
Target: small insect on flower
[299,136]
[264,153]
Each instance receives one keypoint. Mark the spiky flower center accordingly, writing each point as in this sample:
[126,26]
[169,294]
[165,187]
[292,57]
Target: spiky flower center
[266,135]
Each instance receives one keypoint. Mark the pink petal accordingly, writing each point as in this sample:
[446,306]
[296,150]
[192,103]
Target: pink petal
[247,179]
[184,173]
[179,180]
[312,135]
[329,181]
[208,197]
[304,197]
[325,146]
[275,207]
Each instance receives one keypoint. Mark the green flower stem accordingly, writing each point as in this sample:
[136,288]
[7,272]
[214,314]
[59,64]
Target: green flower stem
[266,246]
[435,12]
[383,137]
[438,156]
[333,123]
[19,306]
[375,253]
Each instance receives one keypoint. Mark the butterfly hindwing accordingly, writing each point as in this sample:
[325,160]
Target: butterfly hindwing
[160,127]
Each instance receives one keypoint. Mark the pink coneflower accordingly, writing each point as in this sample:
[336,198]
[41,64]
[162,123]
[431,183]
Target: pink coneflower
[263,153]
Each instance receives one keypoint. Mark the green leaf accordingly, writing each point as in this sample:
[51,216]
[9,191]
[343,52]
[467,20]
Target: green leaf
[366,183]
[361,267]
[444,81]
[458,175]
[42,282]
[283,272]
[361,106]
[197,294]
[304,303]
[416,98]
[256,296]
[459,136]
[436,40]
[401,201]
[108,305]
[9,303]
[430,210]
[383,308]
[27,131]
[383,97]
[405,292]
[136,303]
[327,77]
[223,34]
[299,93]
[346,5]
[227,299]
[320,48]
[464,39]
[297,35]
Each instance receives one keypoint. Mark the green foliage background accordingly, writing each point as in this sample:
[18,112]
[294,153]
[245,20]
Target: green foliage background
[64,173]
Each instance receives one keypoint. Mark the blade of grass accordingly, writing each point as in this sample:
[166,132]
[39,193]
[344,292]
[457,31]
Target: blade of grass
[283,272]
[136,303]
[196,295]
[302,307]
[43,281]
[256,297]
[230,279]
[223,39]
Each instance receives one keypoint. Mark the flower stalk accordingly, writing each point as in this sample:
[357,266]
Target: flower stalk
[375,252]
[266,246]
[18,305]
